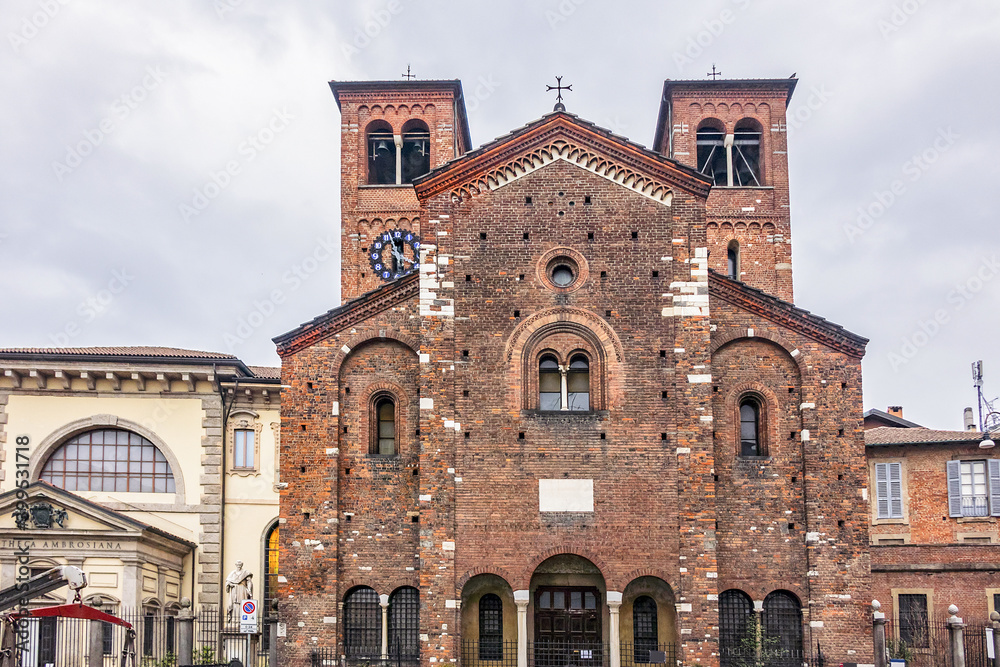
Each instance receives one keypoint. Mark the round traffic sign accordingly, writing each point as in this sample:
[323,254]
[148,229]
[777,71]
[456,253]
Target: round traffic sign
[249,607]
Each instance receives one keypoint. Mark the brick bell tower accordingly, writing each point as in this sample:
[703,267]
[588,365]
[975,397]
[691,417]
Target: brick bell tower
[735,132]
[391,133]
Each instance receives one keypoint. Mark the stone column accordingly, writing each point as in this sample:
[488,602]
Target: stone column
[95,655]
[185,634]
[878,623]
[521,599]
[729,141]
[995,618]
[398,140]
[955,627]
[758,617]
[383,601]
[563,388]
[614,631]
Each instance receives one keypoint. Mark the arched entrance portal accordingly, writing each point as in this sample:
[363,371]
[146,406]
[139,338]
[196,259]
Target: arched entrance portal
[568,617]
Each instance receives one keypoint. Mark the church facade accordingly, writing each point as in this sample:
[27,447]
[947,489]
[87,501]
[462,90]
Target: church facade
[568,412]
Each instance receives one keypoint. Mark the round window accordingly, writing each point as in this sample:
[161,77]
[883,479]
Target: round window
[563,275]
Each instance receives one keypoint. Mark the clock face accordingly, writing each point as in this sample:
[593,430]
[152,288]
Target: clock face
[394,253]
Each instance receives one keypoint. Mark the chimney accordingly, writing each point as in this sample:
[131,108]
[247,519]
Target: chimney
[970,421]
[896,411]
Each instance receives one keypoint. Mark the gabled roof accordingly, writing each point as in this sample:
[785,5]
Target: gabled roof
[708,87]
[348,314]
[41,489]
[781,312]
[547,128]
[889,419]
[887,435]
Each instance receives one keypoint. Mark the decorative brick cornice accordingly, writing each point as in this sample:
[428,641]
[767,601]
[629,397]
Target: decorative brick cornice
[785,314]
[563,136]
[358,310]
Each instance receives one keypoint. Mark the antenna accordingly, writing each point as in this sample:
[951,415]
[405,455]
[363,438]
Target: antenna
[989,418]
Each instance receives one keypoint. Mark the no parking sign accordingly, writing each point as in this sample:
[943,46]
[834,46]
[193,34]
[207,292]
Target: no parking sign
[248,617]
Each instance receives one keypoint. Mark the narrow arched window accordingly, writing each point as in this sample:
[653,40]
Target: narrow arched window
[578,383]
[362,624]
[271,576]
[644,627]
[737,629]
[404,624]
[712,160]
[416,150]
[746,153]
[782,626]
[733,260]
[490,627]
[385,429]
[549,384]
[750,428]
[381,154]
[109,460]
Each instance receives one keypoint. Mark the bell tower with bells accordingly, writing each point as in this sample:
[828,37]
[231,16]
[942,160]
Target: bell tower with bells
[392,132]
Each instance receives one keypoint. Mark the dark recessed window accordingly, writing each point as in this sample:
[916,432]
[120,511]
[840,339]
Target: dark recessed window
[749,428]
[563,275]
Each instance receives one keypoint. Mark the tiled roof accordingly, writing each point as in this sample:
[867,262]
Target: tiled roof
[892,419]
[125,351]
[887,435]
[267,372]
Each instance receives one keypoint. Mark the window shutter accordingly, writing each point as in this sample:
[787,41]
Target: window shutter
[994,468]
[954,488]
[882,489]
[895,490]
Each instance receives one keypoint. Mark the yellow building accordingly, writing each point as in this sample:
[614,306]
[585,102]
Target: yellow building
[152,469]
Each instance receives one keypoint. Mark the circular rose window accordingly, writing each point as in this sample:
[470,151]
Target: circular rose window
[562,269]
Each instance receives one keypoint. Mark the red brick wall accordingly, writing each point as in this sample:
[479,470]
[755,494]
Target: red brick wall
[757,218]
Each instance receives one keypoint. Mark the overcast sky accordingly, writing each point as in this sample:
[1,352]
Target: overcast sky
[115,116]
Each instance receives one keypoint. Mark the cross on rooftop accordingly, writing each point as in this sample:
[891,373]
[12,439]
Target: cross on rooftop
[559,88]
[714,73]
[408,76]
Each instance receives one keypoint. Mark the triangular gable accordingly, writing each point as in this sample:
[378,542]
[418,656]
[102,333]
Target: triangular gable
[785,314]
[354,311]
[82,514]
[563,136]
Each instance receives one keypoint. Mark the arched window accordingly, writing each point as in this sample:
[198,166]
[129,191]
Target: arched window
[271,563]
[712,158]
[746,153]
[384,436]
[362,624]
[381,154]
[644,626]
[783,622]
[750,428]
[578,383]
[416,150]
[109,460]
[733,260]
[404,624]
[737,628]
[490,627]
[549,384]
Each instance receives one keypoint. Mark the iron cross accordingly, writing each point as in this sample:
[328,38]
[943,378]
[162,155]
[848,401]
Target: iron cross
[408,75]
[559,88]
[714,73]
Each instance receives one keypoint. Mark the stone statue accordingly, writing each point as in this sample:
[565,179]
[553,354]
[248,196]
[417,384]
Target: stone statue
[239,586]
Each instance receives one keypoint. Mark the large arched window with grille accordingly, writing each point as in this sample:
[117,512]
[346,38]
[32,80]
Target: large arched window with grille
[362,624]
[404,624]
[490,627]
[737,628]
[782,623]
[644,626]
[109,460]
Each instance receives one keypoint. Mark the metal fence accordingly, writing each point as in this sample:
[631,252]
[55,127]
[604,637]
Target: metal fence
[642,655]
[65,642]
[928,643]
[568,654]
[489,653]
